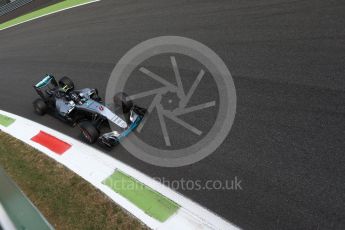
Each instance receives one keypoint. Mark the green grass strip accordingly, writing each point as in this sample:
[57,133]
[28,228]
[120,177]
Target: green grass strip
[151,202]
[6,121]
[21,211]
[41,12]
[64,198]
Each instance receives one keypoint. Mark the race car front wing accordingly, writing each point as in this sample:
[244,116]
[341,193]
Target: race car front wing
[113,138]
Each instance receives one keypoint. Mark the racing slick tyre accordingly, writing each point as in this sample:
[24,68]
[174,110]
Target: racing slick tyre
[121,99]
[65,81]
[40,107]
[89,132]
[96,97]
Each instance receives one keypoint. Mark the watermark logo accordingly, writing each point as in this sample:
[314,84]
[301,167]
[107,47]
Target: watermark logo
[182,184]
[189,94]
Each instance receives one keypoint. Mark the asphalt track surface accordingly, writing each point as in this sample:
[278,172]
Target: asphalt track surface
[287,60]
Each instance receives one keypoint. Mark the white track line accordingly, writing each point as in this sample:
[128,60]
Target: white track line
[54,12]
[95,166]
[5,221]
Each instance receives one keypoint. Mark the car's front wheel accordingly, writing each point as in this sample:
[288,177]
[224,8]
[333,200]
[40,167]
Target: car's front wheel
[89,132]
[40,107]
[96,97]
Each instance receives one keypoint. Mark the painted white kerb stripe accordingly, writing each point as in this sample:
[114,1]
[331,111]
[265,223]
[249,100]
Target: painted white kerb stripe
[5,221]
[54,12]
[95,166]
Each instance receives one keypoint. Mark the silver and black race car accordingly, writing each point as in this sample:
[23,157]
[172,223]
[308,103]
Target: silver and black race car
[84,108]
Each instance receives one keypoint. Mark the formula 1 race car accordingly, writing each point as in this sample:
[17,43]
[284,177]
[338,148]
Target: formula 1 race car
[84,108]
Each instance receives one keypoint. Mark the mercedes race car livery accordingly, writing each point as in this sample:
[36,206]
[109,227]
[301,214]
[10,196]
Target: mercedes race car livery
[84,108]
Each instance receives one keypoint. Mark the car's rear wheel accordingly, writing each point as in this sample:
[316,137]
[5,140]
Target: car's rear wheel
[89,132]
[121,99]
[40,107]
[66,81]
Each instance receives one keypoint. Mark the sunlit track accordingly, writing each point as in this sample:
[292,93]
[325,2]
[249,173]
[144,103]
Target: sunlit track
[287,60]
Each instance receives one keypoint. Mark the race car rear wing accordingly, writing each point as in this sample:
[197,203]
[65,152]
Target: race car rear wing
[45,85]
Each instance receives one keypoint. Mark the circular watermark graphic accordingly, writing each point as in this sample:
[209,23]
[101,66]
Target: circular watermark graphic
[189,95]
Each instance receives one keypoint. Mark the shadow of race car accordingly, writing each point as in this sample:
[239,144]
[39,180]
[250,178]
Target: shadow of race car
[84,108]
